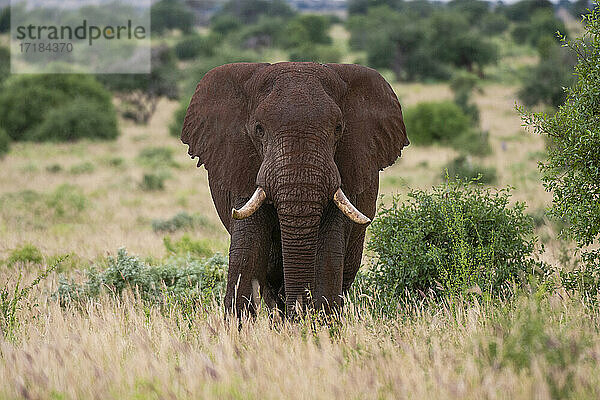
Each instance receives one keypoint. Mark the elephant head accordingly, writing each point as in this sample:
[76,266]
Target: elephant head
[298,136]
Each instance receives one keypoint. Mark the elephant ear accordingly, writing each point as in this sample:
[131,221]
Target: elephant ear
[214,128]
[374,133]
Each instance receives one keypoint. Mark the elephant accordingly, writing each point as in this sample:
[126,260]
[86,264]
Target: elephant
[293,152]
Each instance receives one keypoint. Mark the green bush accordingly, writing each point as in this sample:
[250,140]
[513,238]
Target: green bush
[180,221]
[186,246]
[436,122]
[32,106]
[544,83]
[196,46]
[4,63]
[171,14]
[4,142]
[493,24]
[176,125]
[5,19]
[25,254]
[153,181]
[458,239]
[77,120]
[463,168]
[316,53]
[179,278]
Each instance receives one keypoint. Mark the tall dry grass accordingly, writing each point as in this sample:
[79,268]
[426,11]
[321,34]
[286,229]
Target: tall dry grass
[542,349]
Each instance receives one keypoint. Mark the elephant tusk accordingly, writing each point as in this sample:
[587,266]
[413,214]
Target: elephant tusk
[342,202]
[251,205]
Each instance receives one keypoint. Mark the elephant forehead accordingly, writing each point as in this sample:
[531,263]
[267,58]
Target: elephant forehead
[294,102]
[298,74]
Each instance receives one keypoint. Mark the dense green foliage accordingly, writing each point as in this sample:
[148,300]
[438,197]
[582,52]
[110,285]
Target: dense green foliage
[572,169]
[464,168]
[457,239]
[417,47]
[544,83]
[180,277]
[249,11]
[28,101]
[180,221]
[5,20]
[4,142]
[171,14]
[542,24]
[78,119]
[435,122]
[4,63]
[194,46]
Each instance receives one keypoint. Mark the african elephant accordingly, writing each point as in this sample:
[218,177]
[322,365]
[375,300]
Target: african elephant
[293,153]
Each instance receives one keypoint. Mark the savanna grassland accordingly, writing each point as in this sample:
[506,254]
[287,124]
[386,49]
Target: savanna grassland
[68,206]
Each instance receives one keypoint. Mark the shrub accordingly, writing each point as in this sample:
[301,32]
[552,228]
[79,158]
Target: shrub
[153,181]
[29,101]
[316,53]
[4,63]
[436,122]
[186,246]
[182,278]
[544,83]
[463,168]
[171,14]
[494,23]
[572,169]
[176,124]
[4,142]
[180,221]
[458,239]
[25,254]
[5,19]
[66,201]
[77,120]
[473,142]
[195,46]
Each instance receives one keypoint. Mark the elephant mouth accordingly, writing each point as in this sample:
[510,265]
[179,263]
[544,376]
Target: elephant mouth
[339,198]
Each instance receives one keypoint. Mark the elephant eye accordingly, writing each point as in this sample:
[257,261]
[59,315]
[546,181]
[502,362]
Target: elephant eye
[259,130]
[338,129]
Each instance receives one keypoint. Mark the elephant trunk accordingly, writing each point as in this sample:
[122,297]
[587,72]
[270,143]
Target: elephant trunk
[299,224]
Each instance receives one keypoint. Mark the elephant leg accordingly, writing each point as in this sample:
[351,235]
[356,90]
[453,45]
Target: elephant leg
[365,201]
[248,260]
[353,257]
[330,259]
[274,295]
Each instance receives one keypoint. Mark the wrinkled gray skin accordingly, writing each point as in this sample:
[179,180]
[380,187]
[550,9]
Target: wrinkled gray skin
[300,131]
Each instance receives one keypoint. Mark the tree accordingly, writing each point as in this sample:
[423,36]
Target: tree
[4,64]
[249,11]
[308,29]
[5,20]
[523,10]
[572,169]
[544,82]
[140,93]
[27,100]
[171,14]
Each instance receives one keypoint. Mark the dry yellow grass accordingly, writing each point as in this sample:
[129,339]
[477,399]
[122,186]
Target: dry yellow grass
[122,349]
